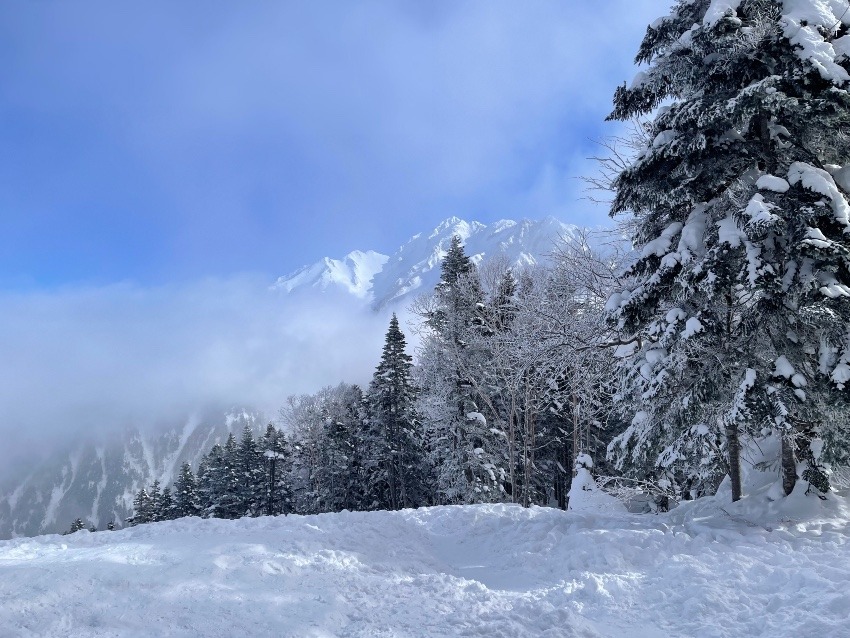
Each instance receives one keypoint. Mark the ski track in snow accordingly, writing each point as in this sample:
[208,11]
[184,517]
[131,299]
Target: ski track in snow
[486,570]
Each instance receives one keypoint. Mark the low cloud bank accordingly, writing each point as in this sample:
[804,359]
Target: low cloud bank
[82,361]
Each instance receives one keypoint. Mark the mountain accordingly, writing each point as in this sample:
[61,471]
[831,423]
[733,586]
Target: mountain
[97,481]
[384,280]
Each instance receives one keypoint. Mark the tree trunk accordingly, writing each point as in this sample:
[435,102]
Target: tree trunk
[734,444]
[789,464]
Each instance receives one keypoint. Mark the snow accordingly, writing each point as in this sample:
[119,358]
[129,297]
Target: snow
[381,280]
[759,210]
[692,326]
[804,21]
[728,232]
[772,183]
[661,245]
[820,181]
[718,9]
[707,568]
[783,368]
[842,177]
[692,241]
[479,418]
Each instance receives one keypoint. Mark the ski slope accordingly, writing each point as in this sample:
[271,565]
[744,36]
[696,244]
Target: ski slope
[486,570]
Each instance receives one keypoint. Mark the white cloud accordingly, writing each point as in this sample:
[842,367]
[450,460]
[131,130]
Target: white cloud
[83,360]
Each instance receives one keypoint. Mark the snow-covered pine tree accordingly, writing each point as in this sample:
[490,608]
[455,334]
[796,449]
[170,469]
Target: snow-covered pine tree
[76,526]
[141,509]
[456,436]
[166,505]
[278,467]
[250,467]
[739,310]
[155,502]
[230,503]
[399,476]
[186,493]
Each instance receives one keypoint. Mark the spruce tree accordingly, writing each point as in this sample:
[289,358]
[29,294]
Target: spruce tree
[186,493]
[399,476]
[738,312]
[278,492]
[154,512]
[166,505]
[250,467]
[460,445]
[141,509]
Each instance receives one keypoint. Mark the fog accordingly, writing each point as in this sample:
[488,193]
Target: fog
[83,361]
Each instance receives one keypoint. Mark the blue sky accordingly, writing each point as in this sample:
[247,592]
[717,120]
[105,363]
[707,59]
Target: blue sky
[163,162]
[164,142]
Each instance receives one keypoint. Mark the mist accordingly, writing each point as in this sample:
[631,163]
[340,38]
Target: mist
[79,362]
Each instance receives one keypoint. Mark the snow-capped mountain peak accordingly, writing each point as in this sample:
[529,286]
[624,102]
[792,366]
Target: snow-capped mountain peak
[353,273]
[415,267]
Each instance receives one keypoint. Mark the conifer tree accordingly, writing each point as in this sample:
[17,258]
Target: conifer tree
[186,493]
[278,493]
[399,477]
[141,509]
[458,441]
[166,505]
[739,309]
[250,467]
[76,526]
[154,512]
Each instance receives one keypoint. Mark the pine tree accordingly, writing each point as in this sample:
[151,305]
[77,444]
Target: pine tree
[141,509]
[186,493]
[460,445]
[166,505]
[250,467]
[230,502]
[278,492]
[399,477]
[154,512]
[76,526]
[739,308]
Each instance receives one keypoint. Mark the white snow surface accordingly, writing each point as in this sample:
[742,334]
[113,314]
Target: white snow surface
[708,568]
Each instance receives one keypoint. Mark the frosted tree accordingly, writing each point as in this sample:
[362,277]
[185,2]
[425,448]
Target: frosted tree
[278,459]
[738,315]
[250,469]
[457,438]
[186,493]
[399,476]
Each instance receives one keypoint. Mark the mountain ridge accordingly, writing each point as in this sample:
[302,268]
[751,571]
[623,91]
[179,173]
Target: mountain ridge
[382,280]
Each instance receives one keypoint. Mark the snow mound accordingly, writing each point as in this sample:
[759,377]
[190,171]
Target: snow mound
[485,570]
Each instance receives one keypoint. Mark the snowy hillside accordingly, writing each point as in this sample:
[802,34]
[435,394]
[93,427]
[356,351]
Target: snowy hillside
[415,267]
[97,481]
[486,570]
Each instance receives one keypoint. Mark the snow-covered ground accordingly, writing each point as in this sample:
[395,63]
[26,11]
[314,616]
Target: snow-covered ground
[488,570]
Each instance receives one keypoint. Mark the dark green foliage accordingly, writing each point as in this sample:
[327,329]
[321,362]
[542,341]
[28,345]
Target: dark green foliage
[186,493]
[739,304]
[398,475]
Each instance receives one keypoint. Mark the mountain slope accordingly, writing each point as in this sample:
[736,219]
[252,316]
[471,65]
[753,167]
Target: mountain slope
[97,481]
[414,268]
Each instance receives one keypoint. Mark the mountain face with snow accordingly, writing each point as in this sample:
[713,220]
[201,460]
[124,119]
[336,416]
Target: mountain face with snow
[385,280]
[97,481]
